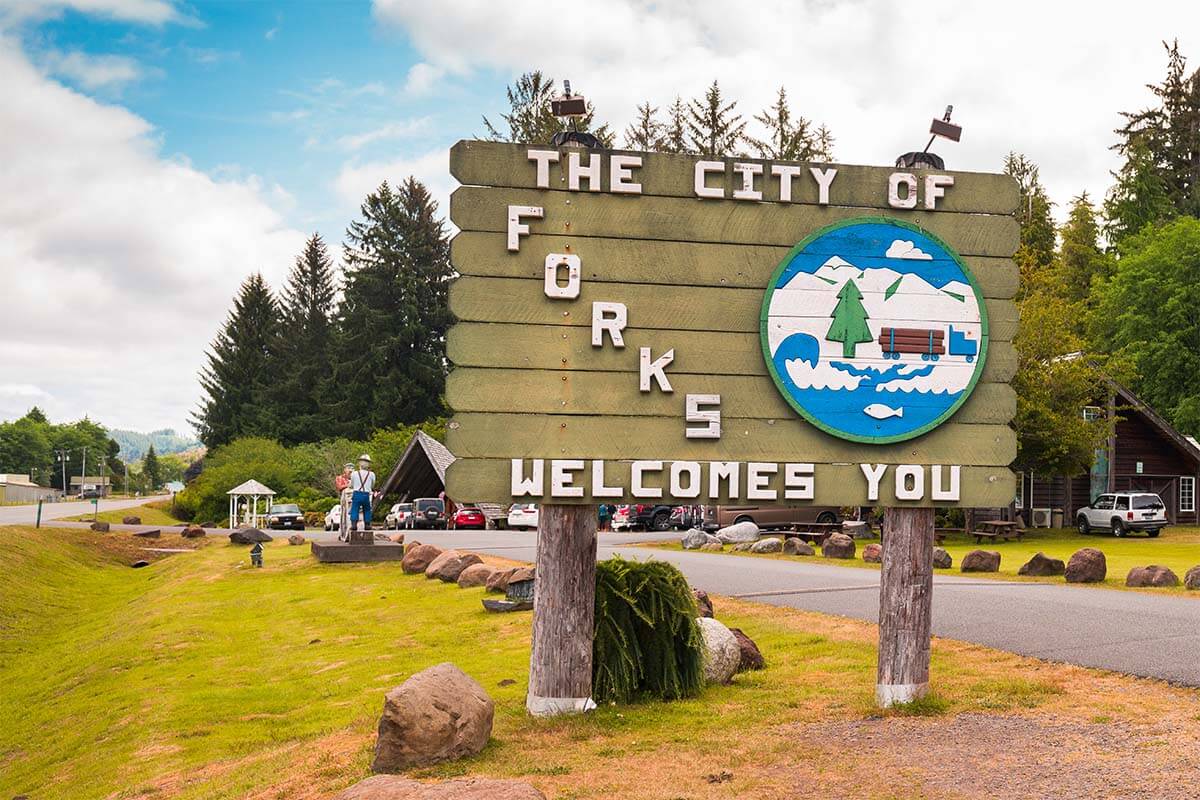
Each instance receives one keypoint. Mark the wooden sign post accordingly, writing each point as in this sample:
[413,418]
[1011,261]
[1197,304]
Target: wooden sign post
[673,329]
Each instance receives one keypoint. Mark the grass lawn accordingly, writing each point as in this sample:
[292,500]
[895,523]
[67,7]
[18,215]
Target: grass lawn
[1177,548]
[154,513]
[199,677]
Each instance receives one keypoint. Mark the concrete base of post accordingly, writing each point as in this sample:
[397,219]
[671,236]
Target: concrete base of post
[888,695]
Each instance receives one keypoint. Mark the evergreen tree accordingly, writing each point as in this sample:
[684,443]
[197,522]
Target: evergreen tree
[790,137]
[1036,251]
[849,320]
[530,118]
[715,129]
[1138,198]
[305,347]
[150,468]
[1080,259]
[240,369]
[35,414]
[391,351]
[675,136]
[646,132]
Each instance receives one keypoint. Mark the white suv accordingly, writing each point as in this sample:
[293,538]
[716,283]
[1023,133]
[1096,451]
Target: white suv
[1123,512]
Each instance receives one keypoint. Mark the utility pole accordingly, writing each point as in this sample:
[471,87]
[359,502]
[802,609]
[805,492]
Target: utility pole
[126,463]
[63,457]
[83,473]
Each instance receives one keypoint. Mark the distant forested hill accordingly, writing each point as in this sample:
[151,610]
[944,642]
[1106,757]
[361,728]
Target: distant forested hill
[134,444]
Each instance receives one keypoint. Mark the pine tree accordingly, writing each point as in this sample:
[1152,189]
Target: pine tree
[240,368]
[790,137]
[530,118]
[675,134]
[1036,250]
[391,348]
[646,132]
[715,129]
[150,468]
[1080,260]
[849,320]
[306,347]
[1138,198]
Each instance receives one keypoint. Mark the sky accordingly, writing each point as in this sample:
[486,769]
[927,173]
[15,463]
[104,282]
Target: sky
[155,153]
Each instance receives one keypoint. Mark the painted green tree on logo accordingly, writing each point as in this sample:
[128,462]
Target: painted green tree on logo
[849,320]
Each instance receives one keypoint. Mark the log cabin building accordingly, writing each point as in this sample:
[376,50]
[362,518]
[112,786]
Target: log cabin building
[1145,453]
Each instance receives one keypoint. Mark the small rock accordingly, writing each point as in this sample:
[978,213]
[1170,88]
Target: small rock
[192,532]
[439,714]
[737,533]
[981,561]
[1191,579]
[398,538]
[838,545]
[296,539]
[1087,566]
[100,527]
[248,536]
[770,545]
[140,564]
[703,602]
[397,787]
[209,524]
[694,539]
[153,533]
[1041,566]
[856,529]
[712,547]
[418,557]
[796,546]
[1152,575]
[721,652]
[131,520]
[450,564]
[499,580]
[475,575]
[751,656]
[380,536]
[873,553]
[742,547]
[942,559]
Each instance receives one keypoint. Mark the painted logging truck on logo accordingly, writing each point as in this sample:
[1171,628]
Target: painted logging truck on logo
[670,327]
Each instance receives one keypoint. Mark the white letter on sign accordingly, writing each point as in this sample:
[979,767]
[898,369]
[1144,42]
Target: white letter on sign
[678,469]
[620,177]
[654,369]
[728,471]
[637,468]
[702,169]
[797,481]
[904,473]
[910,181]
[552,287]
[747,192]
[598,487]
[591,171]
[758,474]
[823,177]
[516,228]
[561,480]
[609,317]
[711,417]
[873,473]
[785,174]
[933,188]
[532,485]
[950,492]
[543,159]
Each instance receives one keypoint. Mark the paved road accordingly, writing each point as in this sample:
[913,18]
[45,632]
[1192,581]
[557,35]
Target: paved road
[27,515]
[1141,634]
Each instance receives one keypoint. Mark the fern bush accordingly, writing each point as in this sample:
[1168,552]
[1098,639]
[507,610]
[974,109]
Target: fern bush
[646,641]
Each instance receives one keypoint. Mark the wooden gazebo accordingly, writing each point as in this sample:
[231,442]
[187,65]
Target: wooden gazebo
[245,496]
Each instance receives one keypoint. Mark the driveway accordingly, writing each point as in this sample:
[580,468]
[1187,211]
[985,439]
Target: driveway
[27,515]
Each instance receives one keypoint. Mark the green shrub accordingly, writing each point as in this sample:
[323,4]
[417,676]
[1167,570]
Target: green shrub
[646,640]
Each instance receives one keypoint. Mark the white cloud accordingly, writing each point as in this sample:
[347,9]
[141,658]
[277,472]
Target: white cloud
[92,72]
[392,130]
[1034,77]
[120,264]
[355,181]
[902,248]
[271,33]
[422,78]
[151,12]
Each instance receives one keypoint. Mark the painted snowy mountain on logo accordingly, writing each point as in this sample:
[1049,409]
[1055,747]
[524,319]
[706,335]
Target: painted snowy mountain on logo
[874,330]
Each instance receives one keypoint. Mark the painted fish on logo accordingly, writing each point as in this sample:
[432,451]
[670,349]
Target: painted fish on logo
[874,330]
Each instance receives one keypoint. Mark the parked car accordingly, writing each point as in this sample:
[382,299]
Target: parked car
[651,517]
[620,520]
[400,516]
[1122,512]
[771,516]
[285,516]
[90,493]
[685,517]
[333,518]
[468,517]
[429,512]
[523,516]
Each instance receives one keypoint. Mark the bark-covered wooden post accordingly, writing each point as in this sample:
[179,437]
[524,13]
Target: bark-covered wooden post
[560,664]
[905,606]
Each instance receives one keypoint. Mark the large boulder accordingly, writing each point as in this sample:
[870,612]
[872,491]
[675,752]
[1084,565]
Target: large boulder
[248,536]
[838,545]
[522,574]
[712,547]
[796,546]
[475,575]
[1087,565]
[398,787]
[450,564]
[856,529]
[498,582]
[738,532]
[1152,575]
[873,553]
[192,532]
[100,527]
[439,714]
[418,557]
[131,520]
[722,655]
[1042,566]
[942,559]
[694,539]
[751,656]
[771,545]
[703,602]
[981,561]
[1191,579]
[296,539]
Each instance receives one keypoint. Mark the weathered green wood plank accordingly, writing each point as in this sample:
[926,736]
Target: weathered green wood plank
[550,347]
[488,480]
[559,436]
[477,299]
[660,262]
[742,396]
[729,221]
[478,163]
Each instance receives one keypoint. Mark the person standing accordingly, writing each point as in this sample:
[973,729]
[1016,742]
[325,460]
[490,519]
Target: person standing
[342,484]
[362,484]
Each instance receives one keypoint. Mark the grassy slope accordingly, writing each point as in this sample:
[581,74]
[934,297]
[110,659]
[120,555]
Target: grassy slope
[151,514]
[201,678]
[1177,548]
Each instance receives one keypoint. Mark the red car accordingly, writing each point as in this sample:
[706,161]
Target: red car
[468,517]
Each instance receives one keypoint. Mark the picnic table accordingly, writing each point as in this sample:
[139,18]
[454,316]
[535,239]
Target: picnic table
[994,529]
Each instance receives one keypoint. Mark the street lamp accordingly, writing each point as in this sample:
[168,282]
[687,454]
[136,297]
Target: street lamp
[63,456]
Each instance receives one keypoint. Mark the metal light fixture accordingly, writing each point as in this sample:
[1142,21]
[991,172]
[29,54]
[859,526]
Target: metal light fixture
[925,159]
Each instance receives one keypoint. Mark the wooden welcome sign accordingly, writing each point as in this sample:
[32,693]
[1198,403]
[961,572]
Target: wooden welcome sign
[646,325]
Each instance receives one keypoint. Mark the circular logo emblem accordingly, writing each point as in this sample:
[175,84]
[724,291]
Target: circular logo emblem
[874,330]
